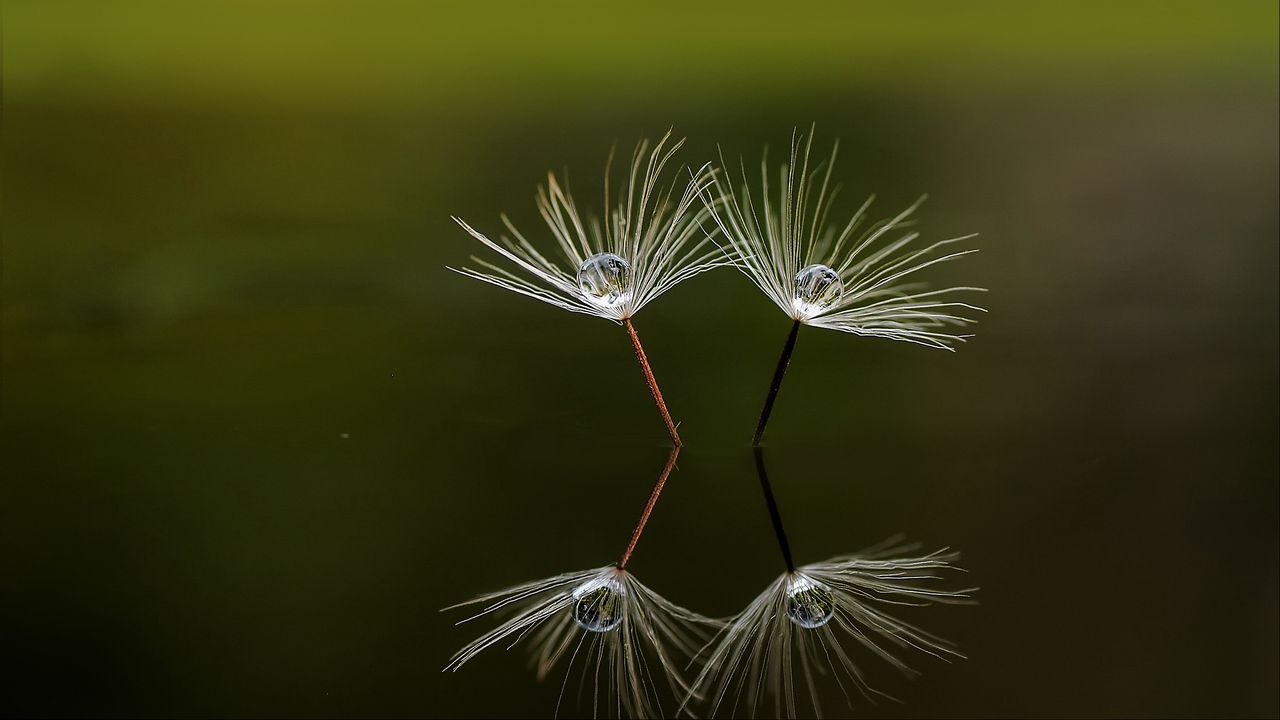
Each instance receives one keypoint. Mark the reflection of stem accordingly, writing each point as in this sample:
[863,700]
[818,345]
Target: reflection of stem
[769,500]
[648,508]
[778,373]
[653,383]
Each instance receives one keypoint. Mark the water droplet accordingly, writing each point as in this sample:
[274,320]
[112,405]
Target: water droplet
[810,604]
[598,604]
[606,279]
[818,287]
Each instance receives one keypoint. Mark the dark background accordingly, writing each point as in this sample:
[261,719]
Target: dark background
[255,434]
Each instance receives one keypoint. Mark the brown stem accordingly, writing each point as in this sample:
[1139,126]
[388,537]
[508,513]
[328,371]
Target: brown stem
[653,383]
[648,508]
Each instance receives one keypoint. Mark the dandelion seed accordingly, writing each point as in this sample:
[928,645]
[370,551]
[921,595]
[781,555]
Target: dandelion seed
[644,246]
[812,617]
[857,278]
[625,634]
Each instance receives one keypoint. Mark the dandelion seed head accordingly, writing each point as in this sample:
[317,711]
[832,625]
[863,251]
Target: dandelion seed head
[605,279]
[649,237]
[855,276]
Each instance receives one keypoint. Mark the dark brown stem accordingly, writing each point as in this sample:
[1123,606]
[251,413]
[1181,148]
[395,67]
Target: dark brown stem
[653,383]
[774,516]
[648,508]
[776,385]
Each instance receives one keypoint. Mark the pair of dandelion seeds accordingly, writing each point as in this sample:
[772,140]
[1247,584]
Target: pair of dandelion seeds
[857,277]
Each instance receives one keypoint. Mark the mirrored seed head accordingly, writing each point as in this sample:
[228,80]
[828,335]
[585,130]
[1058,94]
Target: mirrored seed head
[598,604]
[818,287]
[605,279]
[810,604]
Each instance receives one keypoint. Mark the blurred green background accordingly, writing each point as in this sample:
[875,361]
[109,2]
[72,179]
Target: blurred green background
[255,434]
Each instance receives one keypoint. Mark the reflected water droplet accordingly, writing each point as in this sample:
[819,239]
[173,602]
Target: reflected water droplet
[810,604]
[818,287]
[598,604]
[605,279]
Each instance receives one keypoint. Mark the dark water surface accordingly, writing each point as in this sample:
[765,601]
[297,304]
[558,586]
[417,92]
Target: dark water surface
[256,435]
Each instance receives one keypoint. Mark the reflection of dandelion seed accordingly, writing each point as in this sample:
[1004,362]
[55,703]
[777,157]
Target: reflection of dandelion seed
[644,246]
[620,628]
[802,616]
[844,278]
[626,634]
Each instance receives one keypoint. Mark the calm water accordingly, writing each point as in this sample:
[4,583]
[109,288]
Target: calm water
[256,435]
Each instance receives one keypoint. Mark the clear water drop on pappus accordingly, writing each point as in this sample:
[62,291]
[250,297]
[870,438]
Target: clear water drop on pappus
[598,604]
[605,279]
[810,604]
[818,287]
